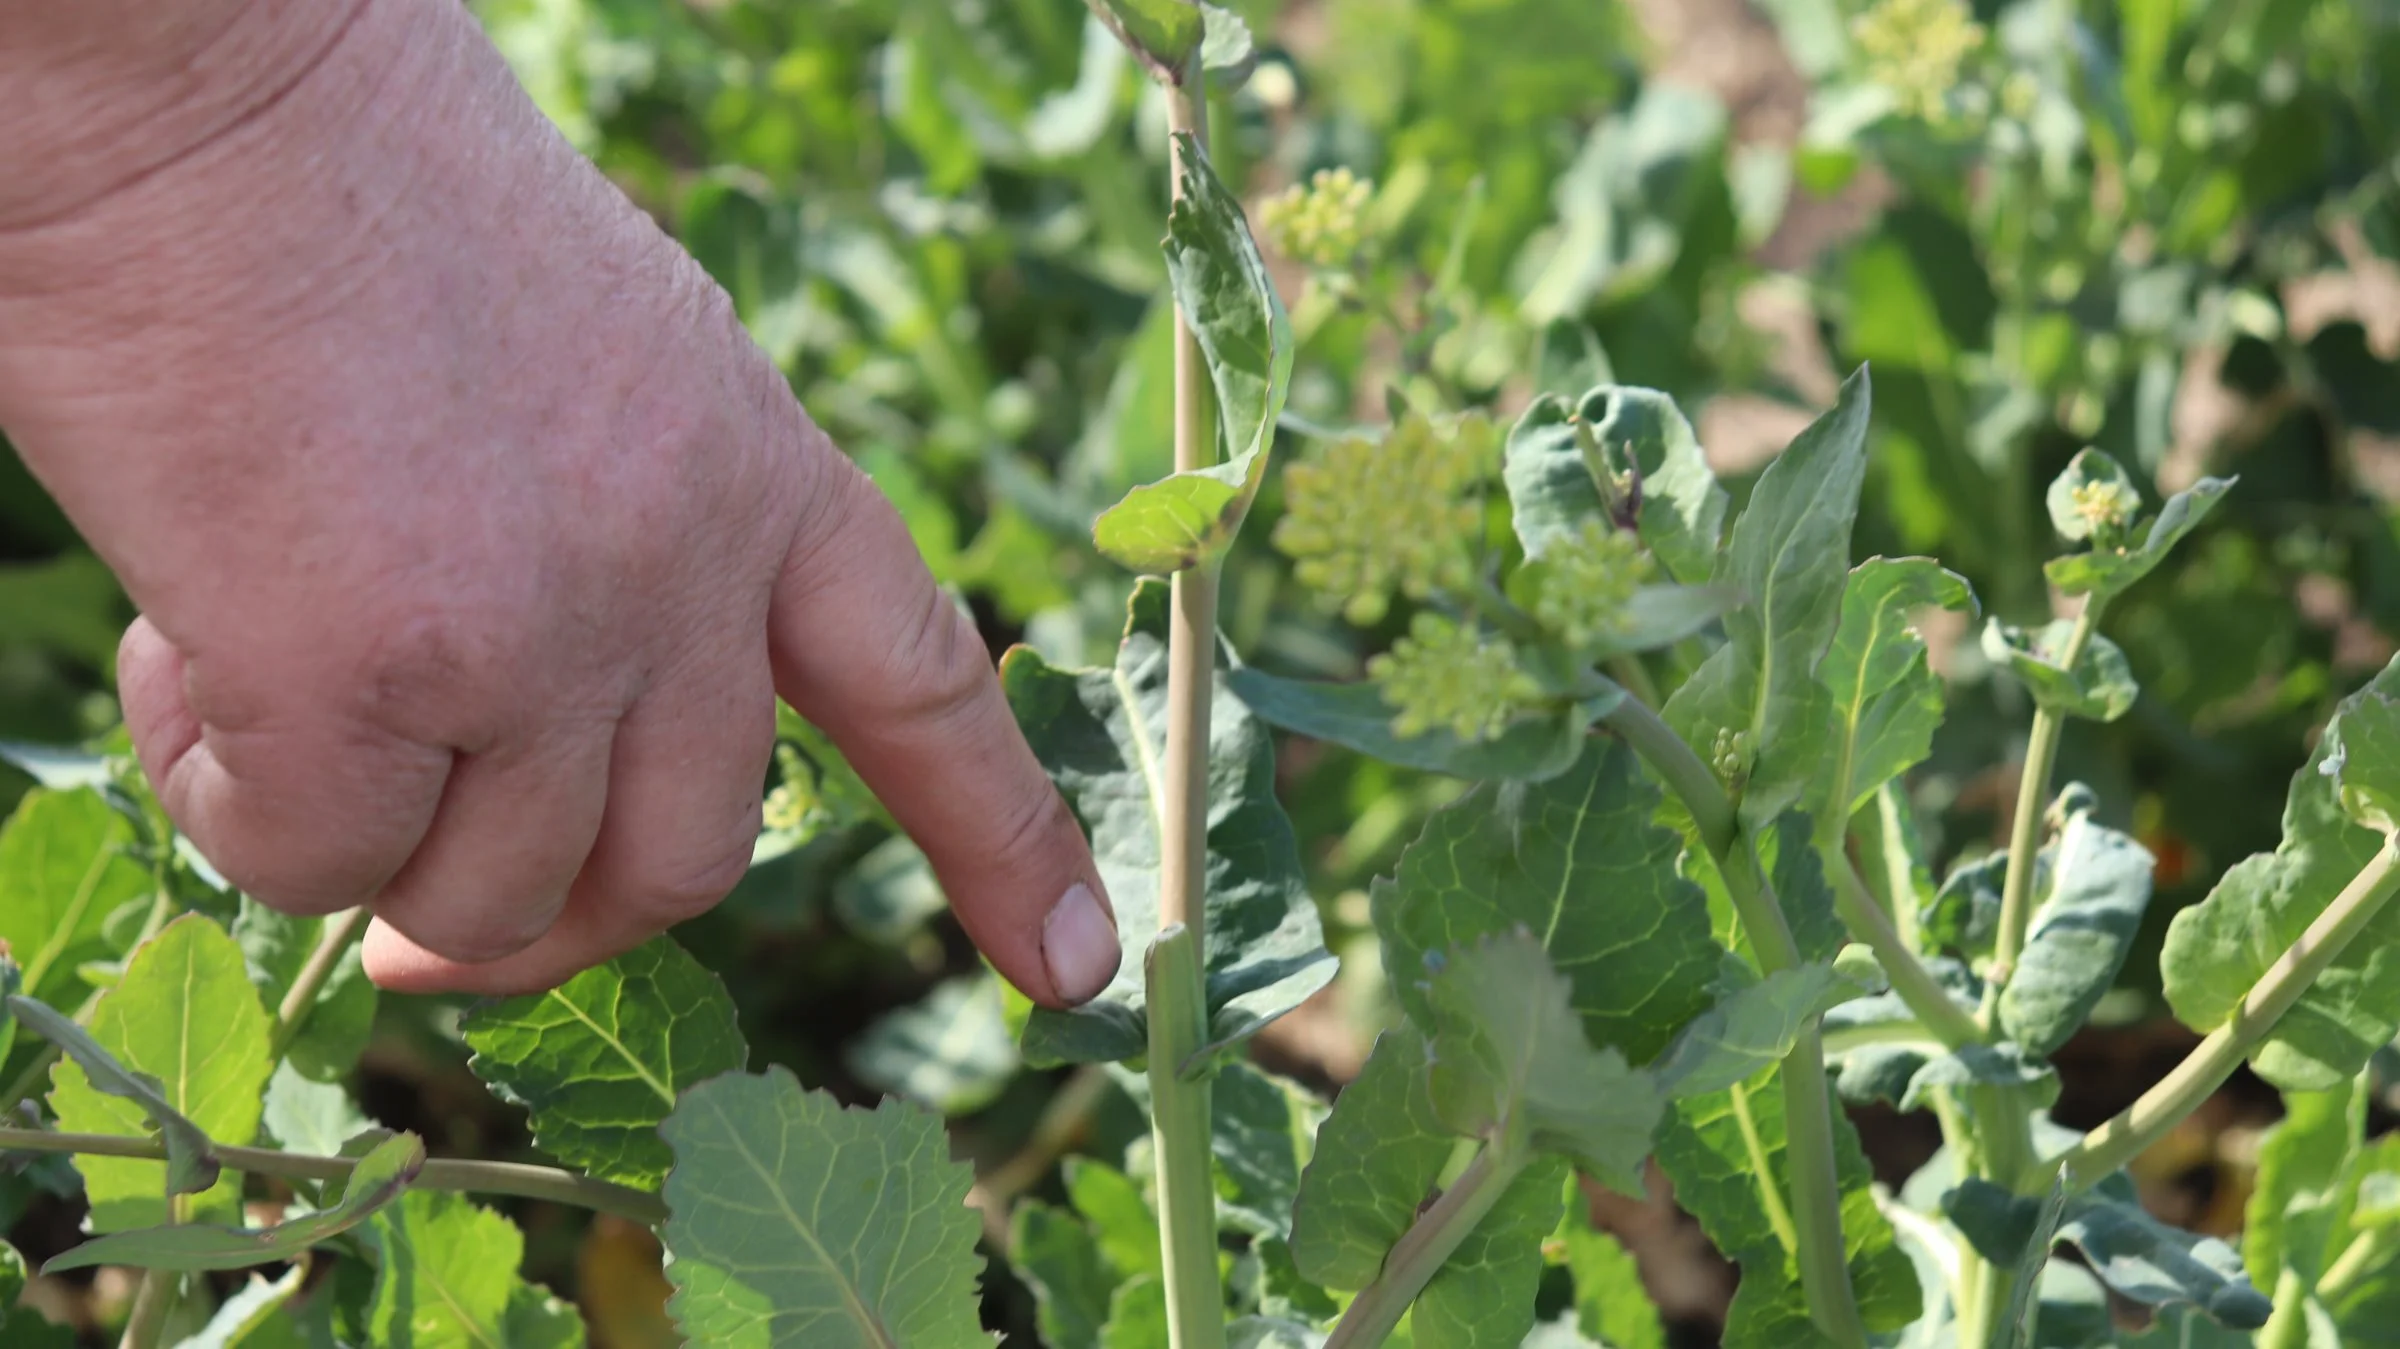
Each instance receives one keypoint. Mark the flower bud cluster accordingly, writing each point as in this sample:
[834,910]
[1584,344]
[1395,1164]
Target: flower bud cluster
[1363,519]
[1916,48]
[2108,505]
[1729,754]
[1587,584]
[1452,676]
[1323,223]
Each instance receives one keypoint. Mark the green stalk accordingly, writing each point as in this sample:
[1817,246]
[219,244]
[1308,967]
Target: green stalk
[2024,835]
[2205,1069]
[1808,1107]
[1421,1251]
[509,1178]
[1867,922]
[1179,1105]
[291,1016]
[153,1303]
[1179,1128]
[2287,1327]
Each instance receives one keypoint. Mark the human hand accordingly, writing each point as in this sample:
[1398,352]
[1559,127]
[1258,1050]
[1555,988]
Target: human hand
[472,536]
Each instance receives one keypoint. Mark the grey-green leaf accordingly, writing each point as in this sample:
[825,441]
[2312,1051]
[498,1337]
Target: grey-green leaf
[2099,884]
[2002,1065]
[1510,1061]
[1745,1033]
[1790,553]
[599,1061]
[795,1222]
[379,1179]
[1263,1131]
[2132,1252]
[1221,283]
[949,1050]
[1058,1259]
[2217,949]
[1378,1157]
[1483,1296]
[1101,735]
[2105,572]
[1577,861]
[1534,747]
[1640,431]
[2090,472]
[1886,701]
[2099,688]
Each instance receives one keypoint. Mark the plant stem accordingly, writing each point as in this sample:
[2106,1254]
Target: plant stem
[1950,1023]
[2205,1069]
[1891,844]
[291,1017]
[1179,1128]
[1808,1107]
[2287,1327]
[2025,831]
[509,1178]
[1421,1251]
[1178,1009]
[153,1302]
[2353,1263]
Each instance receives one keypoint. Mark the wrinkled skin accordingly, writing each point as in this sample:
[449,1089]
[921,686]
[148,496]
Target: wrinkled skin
[472,536]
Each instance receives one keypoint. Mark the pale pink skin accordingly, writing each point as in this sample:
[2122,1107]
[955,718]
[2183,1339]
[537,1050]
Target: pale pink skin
[472,535]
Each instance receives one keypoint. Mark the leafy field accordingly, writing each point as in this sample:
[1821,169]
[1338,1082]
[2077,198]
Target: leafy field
[1707,489]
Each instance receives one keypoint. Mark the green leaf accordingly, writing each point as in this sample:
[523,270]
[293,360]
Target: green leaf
[186,1017]
[2002,1065]
[1964,915]
[381,1175]
[445,1270]
[339,1023]
[599,1061]
[950,1050]
[1723,1153]
[67,861]
[2299,1160]
[1259,1332]
[1877,1044]
[191,1163]
[1137,1315]
[308,1116]
[1577,860]
[1510,1062]
[1483,1296]
[1534,747]
[2099,688]
[1641,431]
[1263,1131]
[1162,34]
[2132,1252]
[538,1320]
[1120,1219]
[1886,701]
[1057,1258]
[1611,1304]
[2107,572]
[797,1222]
[1791,555]
[2368,766]
[2098,886]
[2217,949]
[1746,1033]
[1221,283]
[254,1316]
[1379,1155]
[1101,734]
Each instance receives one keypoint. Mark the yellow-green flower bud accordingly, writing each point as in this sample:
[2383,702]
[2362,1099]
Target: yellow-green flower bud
[1586,583]
[1321,224]
[794,800]
[1915,48]
[1363,519]
[1451,676]
[1729,754]
[2107,505]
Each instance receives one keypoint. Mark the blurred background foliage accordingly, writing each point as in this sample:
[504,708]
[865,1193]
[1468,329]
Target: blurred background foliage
[2167,228]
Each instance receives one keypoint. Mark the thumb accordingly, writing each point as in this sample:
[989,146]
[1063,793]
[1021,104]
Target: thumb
[866,646]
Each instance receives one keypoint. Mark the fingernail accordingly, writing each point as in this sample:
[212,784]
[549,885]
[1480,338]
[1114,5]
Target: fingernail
[1079,944]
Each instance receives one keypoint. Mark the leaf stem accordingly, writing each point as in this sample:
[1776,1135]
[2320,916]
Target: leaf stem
[2033,788]
[2205,1069]
[153,1302]
[1177,1000]
[509,1178]
[1422,1249]
[1950,1023]
[1808,1106]
[291,1016]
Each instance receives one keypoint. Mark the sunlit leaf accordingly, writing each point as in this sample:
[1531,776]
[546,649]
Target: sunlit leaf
[2099,688]
[2097,885]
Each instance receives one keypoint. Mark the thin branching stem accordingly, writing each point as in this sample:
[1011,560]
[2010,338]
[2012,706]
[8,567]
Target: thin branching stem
[1422,1249]
[153,1303]
[2025,831]
[291,1016]
[509,1178]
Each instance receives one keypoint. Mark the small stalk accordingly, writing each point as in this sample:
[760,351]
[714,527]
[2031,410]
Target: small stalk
[2025,831]
[2205,1069]
[1421,1251]
[515,1179]
[1867,922]
[2287,1327]
[153,1303]
[1179,1128]
[1808,1118]
[291,1016]
[1179,1106]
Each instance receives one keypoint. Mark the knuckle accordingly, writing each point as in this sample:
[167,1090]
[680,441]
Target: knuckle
[673,896]
[942,673]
